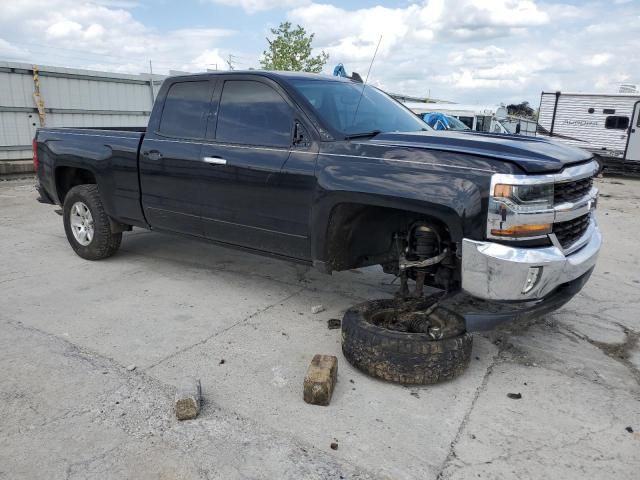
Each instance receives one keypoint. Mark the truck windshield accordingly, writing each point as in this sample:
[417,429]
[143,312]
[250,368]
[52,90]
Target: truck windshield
[339,104]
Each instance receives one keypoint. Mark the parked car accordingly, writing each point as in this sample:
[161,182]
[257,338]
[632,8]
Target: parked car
[331,173]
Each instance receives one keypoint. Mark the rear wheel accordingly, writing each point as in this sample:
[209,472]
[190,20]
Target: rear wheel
[87,225]
[415,343]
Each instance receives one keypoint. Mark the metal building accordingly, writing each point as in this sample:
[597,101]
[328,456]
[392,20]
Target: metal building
[33,96]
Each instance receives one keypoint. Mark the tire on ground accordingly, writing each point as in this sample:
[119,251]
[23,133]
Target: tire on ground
[401,357]
[104,243]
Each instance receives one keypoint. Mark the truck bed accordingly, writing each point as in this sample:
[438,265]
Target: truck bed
[111,154]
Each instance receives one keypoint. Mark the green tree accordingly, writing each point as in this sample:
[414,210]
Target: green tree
[522,109]
[290,49]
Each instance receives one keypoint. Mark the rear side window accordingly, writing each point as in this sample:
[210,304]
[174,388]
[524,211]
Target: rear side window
[253,113]
[617,123]
[185,110]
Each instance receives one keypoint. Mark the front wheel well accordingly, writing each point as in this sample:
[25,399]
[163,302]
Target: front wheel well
[360,235]
[69,177]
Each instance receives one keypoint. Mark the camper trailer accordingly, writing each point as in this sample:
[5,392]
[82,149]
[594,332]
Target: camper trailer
[605,124]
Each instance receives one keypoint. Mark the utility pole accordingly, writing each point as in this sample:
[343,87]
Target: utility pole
[231,61]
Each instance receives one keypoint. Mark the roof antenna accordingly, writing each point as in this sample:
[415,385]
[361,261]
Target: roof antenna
[365,81]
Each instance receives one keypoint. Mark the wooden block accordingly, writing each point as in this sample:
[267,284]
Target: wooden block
[188,399]
[321,379]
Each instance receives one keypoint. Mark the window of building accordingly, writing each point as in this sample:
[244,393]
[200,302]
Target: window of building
[468,121]
[616,123]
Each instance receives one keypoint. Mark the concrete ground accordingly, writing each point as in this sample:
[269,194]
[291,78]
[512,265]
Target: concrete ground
[69,407]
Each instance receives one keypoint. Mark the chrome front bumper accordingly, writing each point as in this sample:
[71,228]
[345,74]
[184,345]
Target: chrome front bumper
[492,271]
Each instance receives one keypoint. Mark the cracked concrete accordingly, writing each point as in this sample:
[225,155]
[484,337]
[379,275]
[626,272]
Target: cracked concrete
[173,307]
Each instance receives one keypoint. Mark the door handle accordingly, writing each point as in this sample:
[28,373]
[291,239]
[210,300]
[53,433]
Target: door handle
[214,160]
[153,155]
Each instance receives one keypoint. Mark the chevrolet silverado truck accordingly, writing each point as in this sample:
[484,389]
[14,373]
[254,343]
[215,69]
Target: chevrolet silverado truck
[336,174]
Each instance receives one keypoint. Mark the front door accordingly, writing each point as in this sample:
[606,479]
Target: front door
[250,198]
[632,154]
[171,160]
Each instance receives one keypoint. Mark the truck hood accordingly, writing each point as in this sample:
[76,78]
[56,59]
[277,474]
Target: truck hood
[531,154]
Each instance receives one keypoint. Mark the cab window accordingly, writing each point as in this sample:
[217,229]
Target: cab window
[253,113]
[185,110]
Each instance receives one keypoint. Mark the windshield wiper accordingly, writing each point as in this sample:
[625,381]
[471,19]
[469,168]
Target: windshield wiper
[372,133]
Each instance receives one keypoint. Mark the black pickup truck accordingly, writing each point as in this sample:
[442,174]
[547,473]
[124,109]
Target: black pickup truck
[332,173]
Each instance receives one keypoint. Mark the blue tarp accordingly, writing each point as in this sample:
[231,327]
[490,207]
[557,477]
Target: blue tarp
[440,121]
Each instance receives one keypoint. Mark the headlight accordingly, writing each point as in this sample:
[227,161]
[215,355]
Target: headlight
[525,197]
[520,211]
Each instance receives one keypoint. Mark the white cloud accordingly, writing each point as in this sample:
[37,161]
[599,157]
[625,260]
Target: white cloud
[253,6]
[483,56]
[503,50]
[461,50]
[8,50]
[102,35]
[63,28]
[598,59]
[413,25]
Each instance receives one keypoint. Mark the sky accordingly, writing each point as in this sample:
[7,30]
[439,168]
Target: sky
[466,51]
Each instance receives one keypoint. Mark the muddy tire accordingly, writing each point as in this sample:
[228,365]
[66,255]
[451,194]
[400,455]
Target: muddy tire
[397,356]
[87,225]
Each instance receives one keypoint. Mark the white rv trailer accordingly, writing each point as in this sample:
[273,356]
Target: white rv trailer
[605,124]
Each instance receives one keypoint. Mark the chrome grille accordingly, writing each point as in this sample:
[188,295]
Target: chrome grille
[570,231]
[572,191]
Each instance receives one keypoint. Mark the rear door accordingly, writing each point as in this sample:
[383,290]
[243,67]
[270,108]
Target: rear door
[632,154]
[251,198]
[170,157]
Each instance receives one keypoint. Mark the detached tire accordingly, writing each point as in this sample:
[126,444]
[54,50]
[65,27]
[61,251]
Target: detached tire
[87,225]
[397,356]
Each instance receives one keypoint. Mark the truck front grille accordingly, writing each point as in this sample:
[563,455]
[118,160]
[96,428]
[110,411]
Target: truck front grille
[572,191]
[570,231]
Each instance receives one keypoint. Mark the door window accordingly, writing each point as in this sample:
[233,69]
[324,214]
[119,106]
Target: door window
[185,110]
[253,113]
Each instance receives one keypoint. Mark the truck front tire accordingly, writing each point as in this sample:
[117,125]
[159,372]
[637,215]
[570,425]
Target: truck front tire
[87,225]
[401,357]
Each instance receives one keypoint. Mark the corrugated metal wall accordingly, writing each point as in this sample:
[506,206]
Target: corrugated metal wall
[72,98]
[574,124]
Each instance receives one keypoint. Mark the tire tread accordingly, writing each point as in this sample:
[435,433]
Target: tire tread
[406,358]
